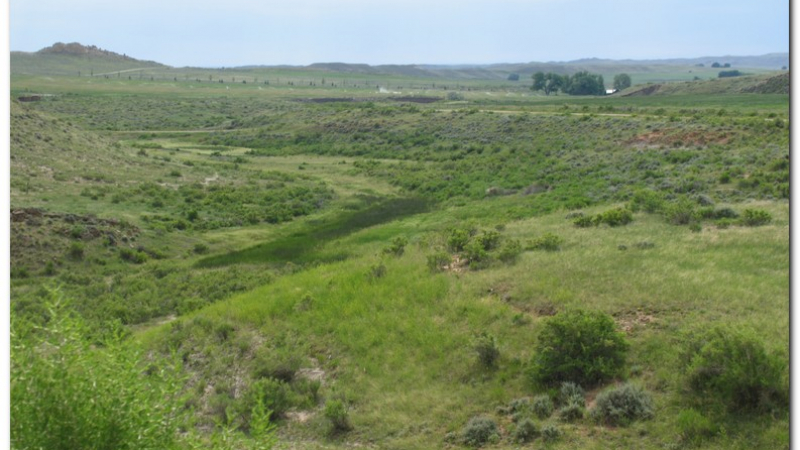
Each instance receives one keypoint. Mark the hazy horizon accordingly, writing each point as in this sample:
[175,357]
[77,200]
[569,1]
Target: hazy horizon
[204,33]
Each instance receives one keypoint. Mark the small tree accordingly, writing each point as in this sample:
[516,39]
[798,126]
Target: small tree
[622,81]
[579,346]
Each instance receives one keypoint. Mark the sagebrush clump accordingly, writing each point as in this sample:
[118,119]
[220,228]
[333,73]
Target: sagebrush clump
[622,405]
[479,431]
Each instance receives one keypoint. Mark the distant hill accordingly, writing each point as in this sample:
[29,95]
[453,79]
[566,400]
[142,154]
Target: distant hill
[757,84]
[606,67]
[74,59]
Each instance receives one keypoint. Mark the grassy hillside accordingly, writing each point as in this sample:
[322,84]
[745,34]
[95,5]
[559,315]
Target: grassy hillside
[382,270]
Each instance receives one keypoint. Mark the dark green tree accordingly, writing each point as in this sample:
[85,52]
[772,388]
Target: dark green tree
[585,83]
[622,81]
[547,82]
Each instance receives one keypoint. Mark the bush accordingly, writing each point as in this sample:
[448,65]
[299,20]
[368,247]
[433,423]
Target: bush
[548,242]
[584,221]
[336,412]
[578,346]
[571,412]
[679,213]
[397,247]
[68,393]
[509,251]
[647,201]
[550,433]
[437,261]
[622,405]
[732,367]
[616,217]
[526,431]
[458,239]
[479,431]
[542,406]
[485,346]
[755,217]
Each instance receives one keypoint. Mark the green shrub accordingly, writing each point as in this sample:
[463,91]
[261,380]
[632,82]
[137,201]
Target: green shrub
[526,431]
[731,366]
[679,213]
[542,406]
[548,242]
[578,346]
[488,240]
[479,431]
[622,405]
[509,251]
[397,247]
[336,411]
[755,217]
[616,217]
[458,239]
[68,393]
[485,347]
[437,261]
[584,221]
[646,200]
[477,255]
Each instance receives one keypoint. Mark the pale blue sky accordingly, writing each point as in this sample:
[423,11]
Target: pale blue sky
[214,33]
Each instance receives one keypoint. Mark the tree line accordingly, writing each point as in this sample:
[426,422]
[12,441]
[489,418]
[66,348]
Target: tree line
[580,83]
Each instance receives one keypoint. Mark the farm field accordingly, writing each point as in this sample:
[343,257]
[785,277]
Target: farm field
[388,261]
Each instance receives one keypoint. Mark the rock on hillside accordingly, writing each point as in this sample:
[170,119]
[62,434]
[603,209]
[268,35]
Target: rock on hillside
[77,49]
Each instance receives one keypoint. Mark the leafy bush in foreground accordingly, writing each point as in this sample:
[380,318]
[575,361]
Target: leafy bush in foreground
[67,394]
[579,346]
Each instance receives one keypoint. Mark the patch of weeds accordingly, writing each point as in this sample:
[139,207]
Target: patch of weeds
[694,427]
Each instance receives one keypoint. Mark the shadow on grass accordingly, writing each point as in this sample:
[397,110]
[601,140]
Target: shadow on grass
[306,246]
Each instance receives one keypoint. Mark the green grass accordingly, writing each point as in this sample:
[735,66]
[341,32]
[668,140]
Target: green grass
[317,294]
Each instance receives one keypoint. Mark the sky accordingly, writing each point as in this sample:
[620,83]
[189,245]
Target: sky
[226,33]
